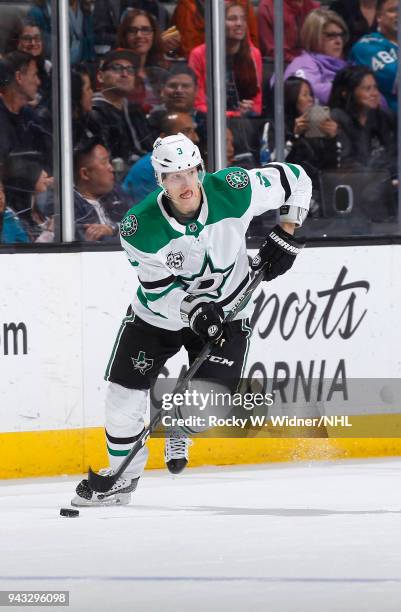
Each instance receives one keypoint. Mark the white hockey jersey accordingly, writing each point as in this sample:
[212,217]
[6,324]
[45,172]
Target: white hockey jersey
[207,257]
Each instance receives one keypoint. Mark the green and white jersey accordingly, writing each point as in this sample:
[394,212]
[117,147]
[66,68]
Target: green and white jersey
[206,257]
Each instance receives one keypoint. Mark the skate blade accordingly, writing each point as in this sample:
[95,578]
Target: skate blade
[121,500]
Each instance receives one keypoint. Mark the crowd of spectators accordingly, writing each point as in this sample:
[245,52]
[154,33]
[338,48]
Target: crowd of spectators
[243,70]
[138,71]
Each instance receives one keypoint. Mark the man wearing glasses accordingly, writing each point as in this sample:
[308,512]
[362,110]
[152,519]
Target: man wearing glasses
[123,127]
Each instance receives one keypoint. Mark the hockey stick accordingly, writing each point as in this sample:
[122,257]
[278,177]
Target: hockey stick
[102,484]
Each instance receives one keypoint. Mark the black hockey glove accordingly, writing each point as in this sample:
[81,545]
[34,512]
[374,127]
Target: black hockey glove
[206,320]
[278,252]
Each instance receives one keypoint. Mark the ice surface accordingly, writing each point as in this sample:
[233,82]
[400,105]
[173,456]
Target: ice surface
[286,537]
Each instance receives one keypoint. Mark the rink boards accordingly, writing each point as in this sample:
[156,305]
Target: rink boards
[337,311]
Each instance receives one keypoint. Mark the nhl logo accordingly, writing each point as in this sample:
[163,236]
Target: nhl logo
[238,179]
[192,227]
[128,226]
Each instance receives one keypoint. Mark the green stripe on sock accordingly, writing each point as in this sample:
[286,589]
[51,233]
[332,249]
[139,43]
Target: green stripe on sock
[117,453]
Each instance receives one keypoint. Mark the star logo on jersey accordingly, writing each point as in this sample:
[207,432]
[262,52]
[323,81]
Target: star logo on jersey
[238,179]
[128,226]
[209,281]
[141,363]
[175,260]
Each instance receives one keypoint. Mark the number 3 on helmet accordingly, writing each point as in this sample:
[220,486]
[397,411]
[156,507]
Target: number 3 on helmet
[176,153]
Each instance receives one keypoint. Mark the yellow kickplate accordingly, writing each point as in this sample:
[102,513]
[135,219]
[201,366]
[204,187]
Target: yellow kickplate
[51,453]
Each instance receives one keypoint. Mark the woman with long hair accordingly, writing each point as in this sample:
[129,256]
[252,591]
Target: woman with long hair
[315,153]
[368,130]
[140,33]
[24,180]
[369,138]
[244,67]
[81,104]
[189,18]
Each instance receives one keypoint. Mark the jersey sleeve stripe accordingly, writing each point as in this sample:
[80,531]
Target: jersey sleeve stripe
[294,169]
[283,178]
[158,284]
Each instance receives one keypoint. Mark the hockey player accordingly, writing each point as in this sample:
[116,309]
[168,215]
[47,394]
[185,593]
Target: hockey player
[186,241]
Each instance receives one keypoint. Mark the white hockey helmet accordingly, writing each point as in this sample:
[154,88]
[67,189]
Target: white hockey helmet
[175,153]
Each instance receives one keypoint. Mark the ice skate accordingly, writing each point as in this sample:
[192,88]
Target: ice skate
[176,453]
[119,494]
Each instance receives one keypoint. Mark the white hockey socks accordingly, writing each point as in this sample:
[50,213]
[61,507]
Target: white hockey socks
[125,420]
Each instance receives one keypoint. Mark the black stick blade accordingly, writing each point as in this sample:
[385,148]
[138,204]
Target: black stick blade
[99,483]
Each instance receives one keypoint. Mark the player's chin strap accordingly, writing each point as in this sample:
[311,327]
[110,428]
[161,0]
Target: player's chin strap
[101,483]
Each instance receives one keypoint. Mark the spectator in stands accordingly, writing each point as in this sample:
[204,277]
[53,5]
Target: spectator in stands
[99,204]
[82,37]
[177,96]
[179,90]
[123,127]
[140,33]
[81,104]
[27,37]
[369,138]
[379,51]
[108,14]
[40,15]
[230,148]
[20,128]
[368,131]
[141,179]
[24,180]
[359,15]
[189,17]
[317,153]
[81,27]
[323,36]
[106,19]
[295,12]
[11,230]
[246,135]
[243,64]
[154,7]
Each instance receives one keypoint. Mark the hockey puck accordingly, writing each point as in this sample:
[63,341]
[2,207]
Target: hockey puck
[69,512]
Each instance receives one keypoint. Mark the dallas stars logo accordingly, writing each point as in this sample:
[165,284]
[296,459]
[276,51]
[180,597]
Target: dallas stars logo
[238,179]
[141,363]
[209,281]
[128,226]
